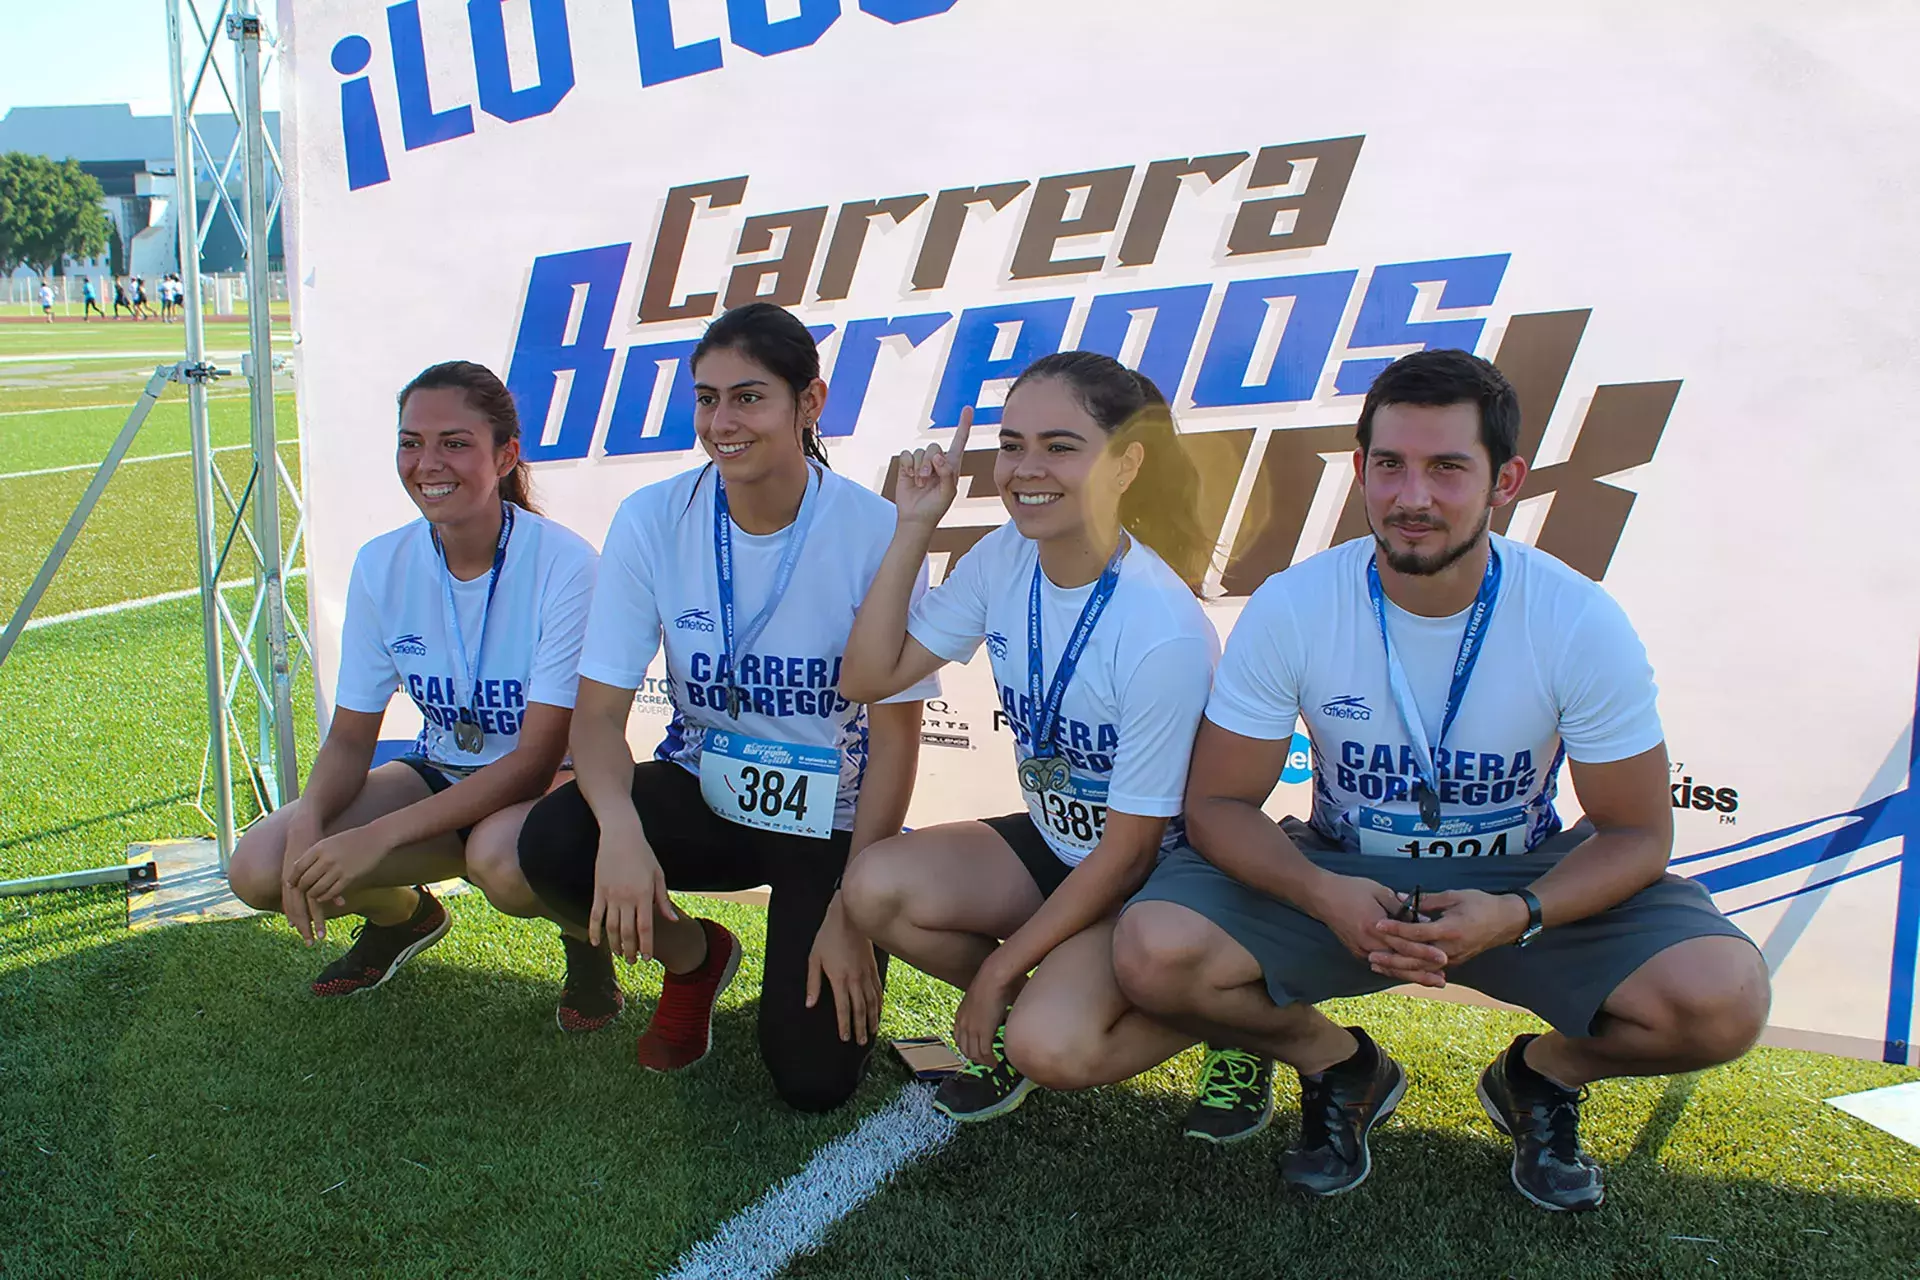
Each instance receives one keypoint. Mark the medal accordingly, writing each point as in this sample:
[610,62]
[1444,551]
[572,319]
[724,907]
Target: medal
[1044,771]
[1041,774]
[467,734]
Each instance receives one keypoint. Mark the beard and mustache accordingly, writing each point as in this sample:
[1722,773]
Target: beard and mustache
[1413,563]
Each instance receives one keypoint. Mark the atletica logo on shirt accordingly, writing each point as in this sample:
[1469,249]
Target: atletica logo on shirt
[1349,706]
[996,644]
[694,620]
[411,643]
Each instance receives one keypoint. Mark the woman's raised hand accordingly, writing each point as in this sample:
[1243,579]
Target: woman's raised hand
[930,477]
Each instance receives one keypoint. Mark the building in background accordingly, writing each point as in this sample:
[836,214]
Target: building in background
[132,157]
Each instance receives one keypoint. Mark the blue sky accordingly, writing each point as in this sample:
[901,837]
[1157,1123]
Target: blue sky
[64,52]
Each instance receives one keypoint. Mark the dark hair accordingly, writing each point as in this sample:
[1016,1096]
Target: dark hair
[1161,506]
[1438,378]
[489,397]
[773,338]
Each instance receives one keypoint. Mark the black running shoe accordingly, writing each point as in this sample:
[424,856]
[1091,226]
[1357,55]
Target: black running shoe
[977,1092]
[1337,1112]
[591,997]
[1549,1168]
[379,950]
[1236,1096]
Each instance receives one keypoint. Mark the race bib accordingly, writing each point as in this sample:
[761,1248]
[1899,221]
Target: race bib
[1403,835]
[1074,818]
[775,786]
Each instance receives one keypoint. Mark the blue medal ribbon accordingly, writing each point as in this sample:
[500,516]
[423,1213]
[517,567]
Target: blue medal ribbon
[782,578]
[1426,787]
[1046,713]
[471,743]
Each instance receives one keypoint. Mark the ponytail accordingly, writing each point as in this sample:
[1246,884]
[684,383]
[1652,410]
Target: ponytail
[489,397]
[1161,507]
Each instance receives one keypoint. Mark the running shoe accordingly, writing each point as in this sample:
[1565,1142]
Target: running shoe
[1236,1096]
[681,1032]
[1338,1109]
[591,996]
[1543,1119]
[980,1091]
[379,950]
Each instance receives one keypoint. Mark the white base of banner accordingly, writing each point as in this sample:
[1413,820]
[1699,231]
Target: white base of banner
[1895,1108]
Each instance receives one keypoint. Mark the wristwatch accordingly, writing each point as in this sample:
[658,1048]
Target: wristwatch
[1534,923]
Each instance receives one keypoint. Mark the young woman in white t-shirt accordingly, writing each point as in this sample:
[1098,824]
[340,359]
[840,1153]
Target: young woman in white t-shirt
[746,572]
[1105,554]
[476,612]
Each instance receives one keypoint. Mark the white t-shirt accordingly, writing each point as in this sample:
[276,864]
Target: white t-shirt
[1560,672]
[46,296]
[1127,720]
[397,634]
[658,581]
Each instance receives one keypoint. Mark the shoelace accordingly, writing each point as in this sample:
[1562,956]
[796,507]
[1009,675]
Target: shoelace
[1320,1113]
[1555,1126]
[1227,1076]
[986,1070]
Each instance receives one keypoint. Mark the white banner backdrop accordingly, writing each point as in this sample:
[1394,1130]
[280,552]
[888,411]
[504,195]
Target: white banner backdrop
[1683,231]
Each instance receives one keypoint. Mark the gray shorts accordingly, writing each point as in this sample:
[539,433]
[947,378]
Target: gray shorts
[1565,975]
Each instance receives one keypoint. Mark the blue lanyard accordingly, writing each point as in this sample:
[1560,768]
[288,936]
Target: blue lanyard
[782,576]
[1426,784]
[1046,709]
[472,664]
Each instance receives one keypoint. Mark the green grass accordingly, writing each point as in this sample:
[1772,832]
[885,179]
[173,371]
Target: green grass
[172,1103]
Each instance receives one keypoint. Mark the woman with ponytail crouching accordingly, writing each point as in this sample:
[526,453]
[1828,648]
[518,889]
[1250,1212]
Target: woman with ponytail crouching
[476,610]
[745,573]
[1103,658]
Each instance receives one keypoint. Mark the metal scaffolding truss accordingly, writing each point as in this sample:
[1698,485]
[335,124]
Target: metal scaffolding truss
[267,643]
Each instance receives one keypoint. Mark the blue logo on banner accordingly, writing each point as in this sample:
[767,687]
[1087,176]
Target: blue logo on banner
[1299,760]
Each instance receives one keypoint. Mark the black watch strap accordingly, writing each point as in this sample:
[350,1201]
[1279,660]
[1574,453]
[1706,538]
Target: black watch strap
[1534,922]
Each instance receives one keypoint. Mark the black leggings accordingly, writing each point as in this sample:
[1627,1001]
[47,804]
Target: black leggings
[812,1068]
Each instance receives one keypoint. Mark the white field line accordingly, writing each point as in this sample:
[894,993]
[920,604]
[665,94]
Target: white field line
[795,1216]
[63,357]
[94,466]
[95,408]
[101,610]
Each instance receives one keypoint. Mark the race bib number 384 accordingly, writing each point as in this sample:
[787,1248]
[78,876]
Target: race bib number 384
[775,786]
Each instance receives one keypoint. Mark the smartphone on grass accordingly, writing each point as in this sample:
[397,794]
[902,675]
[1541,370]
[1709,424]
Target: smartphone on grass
[927,1057]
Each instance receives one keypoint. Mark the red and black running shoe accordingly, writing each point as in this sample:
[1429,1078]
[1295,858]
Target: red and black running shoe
[591,997]
[681,1032]
[379,950]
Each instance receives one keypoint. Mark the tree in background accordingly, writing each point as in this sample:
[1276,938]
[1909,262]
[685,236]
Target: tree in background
[49,211]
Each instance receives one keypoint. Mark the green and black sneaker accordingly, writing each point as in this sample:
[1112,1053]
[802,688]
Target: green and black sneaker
[981,1092]
[1236,1097]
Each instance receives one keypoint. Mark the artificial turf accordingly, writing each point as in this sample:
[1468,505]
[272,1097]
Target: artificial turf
[173,1103]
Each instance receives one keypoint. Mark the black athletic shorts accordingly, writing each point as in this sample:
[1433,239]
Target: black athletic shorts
[1035,854]
[436,781]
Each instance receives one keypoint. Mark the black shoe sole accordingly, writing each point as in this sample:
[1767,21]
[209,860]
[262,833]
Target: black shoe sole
[446,923]
[1513,1171]
[1015,1096]
[1227,1140]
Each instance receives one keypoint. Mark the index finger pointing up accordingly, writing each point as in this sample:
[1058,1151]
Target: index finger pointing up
[960,433]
